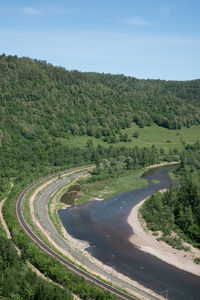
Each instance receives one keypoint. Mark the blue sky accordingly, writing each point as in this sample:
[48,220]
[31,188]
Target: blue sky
[140,38]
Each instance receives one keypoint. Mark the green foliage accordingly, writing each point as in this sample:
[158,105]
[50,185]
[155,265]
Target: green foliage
[110,186]
[69,197]
[197,260]
[42,105]
[122,160]
[72,194]
[175,242]
[75,187]
[190,159]
[152,212]
[148,136]
[38,99]
[89,143]
[17,281]
[179,207]
[136,134]
[45,264]
[124,137]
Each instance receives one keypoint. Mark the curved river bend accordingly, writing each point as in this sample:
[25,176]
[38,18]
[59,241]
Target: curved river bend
[104,225]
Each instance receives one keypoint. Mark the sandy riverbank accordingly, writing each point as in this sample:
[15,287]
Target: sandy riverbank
[145,241]
[80,246]
[163,164]
[148,247]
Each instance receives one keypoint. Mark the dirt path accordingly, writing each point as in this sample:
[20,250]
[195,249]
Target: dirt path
[1,215]
[144,240]
[2,220]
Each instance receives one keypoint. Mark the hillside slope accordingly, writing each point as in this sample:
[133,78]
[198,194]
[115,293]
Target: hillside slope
[37,98]
[40,103]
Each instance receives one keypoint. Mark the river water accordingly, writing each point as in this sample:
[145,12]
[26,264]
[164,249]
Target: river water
[104,225]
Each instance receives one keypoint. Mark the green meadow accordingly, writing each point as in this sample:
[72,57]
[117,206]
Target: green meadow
[129,180]
[154,135]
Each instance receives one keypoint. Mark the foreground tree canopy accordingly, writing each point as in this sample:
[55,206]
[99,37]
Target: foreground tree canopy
[40,103]
[179,208]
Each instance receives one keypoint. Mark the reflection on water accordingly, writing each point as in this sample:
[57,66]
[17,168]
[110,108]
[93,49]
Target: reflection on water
[104,225]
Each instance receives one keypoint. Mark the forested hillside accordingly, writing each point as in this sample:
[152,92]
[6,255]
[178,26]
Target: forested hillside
[37,98]
[40,104]
[18,281]
[179,208]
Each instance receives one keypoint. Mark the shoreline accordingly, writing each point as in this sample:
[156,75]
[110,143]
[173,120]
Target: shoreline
[163,164]
[81,246]
[145,241]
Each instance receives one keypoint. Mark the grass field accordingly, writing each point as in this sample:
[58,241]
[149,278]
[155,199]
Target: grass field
[148,136]
[108,187]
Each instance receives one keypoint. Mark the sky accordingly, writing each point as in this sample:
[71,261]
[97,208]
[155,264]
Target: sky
[150,39]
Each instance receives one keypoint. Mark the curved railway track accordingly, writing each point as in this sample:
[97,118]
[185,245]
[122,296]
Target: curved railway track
[47,249]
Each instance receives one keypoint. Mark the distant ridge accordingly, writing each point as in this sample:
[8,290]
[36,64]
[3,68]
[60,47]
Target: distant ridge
[37,97]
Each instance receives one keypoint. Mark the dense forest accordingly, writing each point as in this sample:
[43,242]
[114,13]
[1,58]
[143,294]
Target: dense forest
[39,104]
[37,98]
[178,209]
[18,281]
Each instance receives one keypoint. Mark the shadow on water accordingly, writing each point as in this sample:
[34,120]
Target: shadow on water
[104,225]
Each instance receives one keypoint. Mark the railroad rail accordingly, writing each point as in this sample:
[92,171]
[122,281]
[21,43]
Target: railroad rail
[47,249]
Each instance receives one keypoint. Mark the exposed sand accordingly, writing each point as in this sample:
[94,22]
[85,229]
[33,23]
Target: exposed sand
[1,215]
[80,246]
[144,240]
[163,164]
[2,220]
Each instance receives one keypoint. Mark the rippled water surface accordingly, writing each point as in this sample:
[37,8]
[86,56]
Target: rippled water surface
[104,225]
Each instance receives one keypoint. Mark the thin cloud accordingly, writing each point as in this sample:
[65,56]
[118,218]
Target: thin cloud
[47,11]
[32,11]
[139,21]
[166,10]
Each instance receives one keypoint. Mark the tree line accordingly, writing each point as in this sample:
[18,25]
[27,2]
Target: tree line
[40,103]
[18,281]
[37,99]
[178,209]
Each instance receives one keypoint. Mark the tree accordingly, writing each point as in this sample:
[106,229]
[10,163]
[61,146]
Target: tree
[89,143]
[136,134]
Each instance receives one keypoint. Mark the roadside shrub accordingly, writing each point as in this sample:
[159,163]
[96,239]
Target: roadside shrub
[74,187]
[197,260]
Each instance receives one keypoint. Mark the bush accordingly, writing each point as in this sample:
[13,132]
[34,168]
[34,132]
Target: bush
[74,187]
[136,134]
[45,264]
[197,260]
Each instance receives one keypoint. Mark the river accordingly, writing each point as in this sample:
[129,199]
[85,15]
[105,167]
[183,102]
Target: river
[104,225]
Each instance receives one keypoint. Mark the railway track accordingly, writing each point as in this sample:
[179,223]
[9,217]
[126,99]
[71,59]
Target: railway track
[48,250]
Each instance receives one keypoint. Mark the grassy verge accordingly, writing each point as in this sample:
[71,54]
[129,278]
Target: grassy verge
[55,220]
[175,242]
[155,181]
[172,175]
[45,264]
[130,180]
[54,205]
